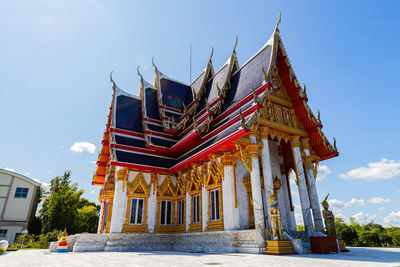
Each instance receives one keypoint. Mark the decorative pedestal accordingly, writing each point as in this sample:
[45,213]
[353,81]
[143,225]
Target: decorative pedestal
[342,247]
[279,247]
[323,244]
[62,247]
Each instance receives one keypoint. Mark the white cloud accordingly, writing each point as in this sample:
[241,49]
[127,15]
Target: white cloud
[392,219]
[334,203]
[10,169]
[382,170]
[93,192]
[93,161]
[323,171]
[357,202]
[378,200]
[362,217]
[80,147]
[45,185]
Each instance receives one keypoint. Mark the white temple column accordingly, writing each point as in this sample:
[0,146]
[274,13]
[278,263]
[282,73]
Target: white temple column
[118,210]
[303,192]
[259,222]
[188,209]
[315,205]
[204,207]
[230,209]
[152,203]
[100,217]
[267,170]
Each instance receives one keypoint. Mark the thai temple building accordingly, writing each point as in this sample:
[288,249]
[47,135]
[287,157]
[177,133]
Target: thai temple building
[194,166]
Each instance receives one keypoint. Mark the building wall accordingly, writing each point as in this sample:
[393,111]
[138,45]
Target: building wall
[18,209]
[12,231]
[15,213]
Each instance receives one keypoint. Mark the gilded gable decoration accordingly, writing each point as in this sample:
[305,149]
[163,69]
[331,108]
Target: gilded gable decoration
[167,188]
[138,187]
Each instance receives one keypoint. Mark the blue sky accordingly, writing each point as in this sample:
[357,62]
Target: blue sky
[56,56]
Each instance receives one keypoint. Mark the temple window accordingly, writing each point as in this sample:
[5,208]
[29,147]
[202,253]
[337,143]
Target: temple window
[136,211]
[214,201]
[166,212]
[196,209]
[181,211]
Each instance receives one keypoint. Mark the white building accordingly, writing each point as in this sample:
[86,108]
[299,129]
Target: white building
[19,196]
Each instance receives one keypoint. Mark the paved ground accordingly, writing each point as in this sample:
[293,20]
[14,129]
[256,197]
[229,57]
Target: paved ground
[356,257]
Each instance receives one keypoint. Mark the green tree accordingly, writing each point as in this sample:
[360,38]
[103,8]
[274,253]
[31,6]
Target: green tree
[347,233]
[64,207]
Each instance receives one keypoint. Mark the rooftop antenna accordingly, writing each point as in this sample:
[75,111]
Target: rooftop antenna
[190,64]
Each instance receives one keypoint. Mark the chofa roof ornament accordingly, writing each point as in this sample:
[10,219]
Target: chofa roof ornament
[279,21]
[212,53]
[111,80]
[154,65]
[234,47]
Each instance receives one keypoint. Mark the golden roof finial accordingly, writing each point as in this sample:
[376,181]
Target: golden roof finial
[319,116]
[279,20]
[234,47]
[138,73]
[111,80]
[212,53]
[154,65]
[334,143]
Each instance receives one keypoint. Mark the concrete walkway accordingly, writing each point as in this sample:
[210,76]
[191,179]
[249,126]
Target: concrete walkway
[356,257]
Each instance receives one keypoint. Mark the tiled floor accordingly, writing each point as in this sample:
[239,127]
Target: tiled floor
[356,257]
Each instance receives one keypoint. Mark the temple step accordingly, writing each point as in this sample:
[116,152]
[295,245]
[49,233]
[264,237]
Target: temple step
[279,247]
[306,247]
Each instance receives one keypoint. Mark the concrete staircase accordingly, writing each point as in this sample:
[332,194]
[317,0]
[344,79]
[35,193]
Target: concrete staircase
[305,241]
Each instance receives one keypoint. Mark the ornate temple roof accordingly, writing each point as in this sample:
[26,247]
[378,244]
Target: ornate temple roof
[172,124]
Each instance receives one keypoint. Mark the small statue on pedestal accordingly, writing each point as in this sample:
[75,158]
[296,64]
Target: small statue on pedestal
[275,216]
[278,245]
[329,219]
[62,242]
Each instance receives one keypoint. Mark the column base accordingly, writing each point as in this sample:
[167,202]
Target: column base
[279,247]
[324,244]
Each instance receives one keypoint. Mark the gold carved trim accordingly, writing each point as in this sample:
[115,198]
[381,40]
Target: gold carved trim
[135,228]
[216,225]
[306,143]
[196,227]
[228,160]
[282,127]
[153,181]
[296,140]
[122,174]
[254,150]
[167,190]
[138,187]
